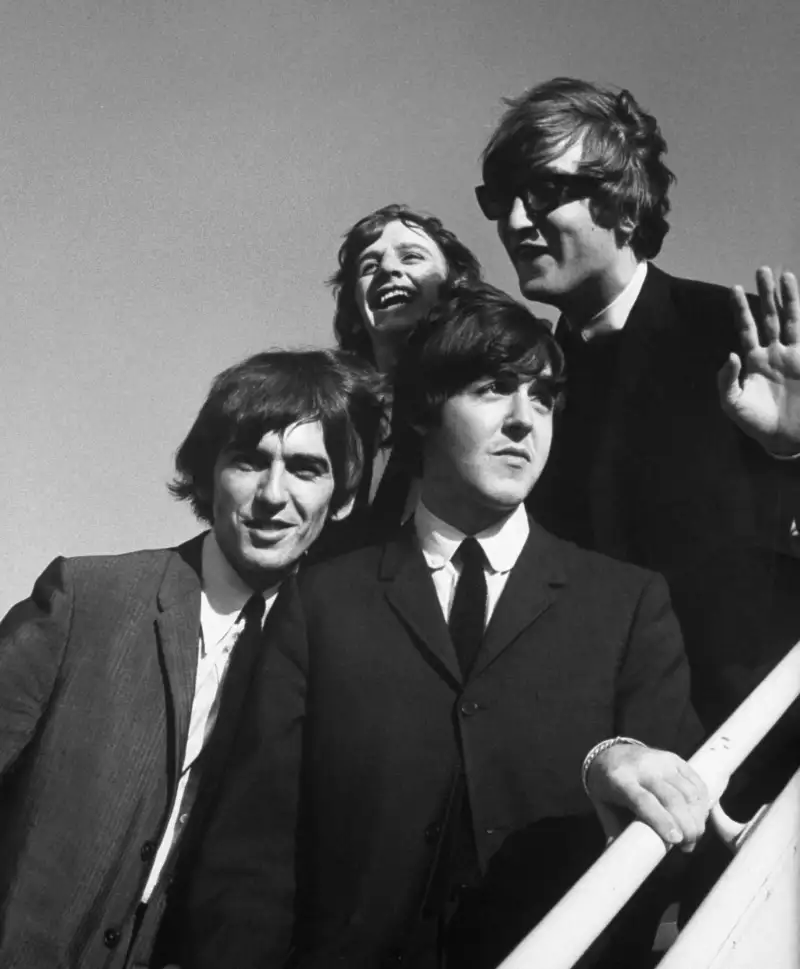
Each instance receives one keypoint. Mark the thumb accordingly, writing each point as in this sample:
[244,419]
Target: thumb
[610,820]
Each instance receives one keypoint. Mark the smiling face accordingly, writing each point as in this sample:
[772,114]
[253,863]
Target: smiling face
[563,256]
[399,277]
[271,501]
[487,452]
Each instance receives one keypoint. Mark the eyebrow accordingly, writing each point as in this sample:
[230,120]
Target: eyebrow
[410,246]
[366,254]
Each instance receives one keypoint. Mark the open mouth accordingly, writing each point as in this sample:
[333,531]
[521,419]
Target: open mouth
[268,527]
[388,299]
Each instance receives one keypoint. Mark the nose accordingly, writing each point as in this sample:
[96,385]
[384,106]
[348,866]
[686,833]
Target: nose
[518,217]
[272,486]
[519,417]
[390,264]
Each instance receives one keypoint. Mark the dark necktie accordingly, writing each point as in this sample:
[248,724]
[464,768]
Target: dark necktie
[204,783]
[233,690]
[468,612]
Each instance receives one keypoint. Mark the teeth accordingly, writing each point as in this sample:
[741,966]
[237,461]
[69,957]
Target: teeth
[393,294]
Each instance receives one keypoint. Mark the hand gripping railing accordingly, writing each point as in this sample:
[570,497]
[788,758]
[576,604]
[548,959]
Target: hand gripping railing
[568,930]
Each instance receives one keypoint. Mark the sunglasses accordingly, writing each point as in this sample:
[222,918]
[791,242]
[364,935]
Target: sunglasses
[539,195]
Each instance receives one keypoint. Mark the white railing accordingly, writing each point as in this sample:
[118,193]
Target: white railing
[750,917]
[574,923]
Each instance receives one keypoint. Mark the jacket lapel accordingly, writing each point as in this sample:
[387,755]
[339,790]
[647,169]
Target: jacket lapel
[645,342]
[411,594]
[643,336]
[531,589]
[178,624]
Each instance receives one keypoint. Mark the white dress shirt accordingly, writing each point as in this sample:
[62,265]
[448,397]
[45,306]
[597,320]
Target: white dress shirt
[501,544]
[222,598]
[614,316]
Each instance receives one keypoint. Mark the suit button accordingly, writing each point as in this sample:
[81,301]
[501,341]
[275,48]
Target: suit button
[468,707]
[432,833]
[148,851]
[111,938]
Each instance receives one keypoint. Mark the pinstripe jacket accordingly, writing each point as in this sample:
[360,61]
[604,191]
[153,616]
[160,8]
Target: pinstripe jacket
[96,683]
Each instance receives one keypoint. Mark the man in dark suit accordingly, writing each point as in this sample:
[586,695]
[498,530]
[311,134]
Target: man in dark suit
[438,693]
[114,727]
[674,449]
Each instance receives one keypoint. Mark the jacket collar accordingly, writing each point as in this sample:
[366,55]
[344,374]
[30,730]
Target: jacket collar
[531,588]
[178,626]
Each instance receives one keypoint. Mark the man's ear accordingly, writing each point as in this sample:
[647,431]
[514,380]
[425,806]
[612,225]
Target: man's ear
[625,230]
[345,510]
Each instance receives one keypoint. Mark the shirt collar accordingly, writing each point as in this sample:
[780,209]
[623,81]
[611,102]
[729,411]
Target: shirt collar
[613,317]
[502,543]
[224,593]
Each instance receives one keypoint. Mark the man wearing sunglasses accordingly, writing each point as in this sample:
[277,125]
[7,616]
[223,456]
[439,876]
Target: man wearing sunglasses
[675,447]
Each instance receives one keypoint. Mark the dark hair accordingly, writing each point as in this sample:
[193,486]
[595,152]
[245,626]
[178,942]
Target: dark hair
[477,332]
[622,148]
[462,267]
[269,392]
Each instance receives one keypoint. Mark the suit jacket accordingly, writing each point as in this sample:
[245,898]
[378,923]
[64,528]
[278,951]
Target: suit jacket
[97,674]
[362,679]
[676,487]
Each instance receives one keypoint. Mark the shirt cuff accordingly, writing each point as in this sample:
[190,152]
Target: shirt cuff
[590,758]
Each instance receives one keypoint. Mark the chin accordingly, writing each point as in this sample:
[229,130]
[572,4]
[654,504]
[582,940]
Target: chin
[537,289]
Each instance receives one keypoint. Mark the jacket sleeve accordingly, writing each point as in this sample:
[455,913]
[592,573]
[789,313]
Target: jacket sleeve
[33,637]
[240,893]
[653,688]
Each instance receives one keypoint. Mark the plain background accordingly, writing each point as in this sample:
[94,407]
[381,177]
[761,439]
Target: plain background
[175,177]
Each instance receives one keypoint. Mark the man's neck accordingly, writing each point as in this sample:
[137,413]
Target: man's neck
[467,519]
[581,305]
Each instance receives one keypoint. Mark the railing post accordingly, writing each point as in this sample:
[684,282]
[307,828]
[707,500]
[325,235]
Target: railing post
[568,930]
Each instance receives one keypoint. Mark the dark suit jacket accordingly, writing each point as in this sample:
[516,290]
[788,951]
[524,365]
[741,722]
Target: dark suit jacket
[97,674]
[674,486]
[362,674]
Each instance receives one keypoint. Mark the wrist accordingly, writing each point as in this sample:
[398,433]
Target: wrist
[598,749]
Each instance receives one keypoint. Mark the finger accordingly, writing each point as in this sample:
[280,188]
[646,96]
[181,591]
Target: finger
[791,309]
[691,794]
[745,323]
[728,380]
[648,808]
[700,787]
[686,817]
[770,320]
[690,814]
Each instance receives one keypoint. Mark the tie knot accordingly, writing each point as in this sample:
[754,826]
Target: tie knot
[471,553]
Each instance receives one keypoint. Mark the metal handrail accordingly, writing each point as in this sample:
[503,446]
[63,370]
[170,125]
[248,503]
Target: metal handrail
[568,930]
[750,916]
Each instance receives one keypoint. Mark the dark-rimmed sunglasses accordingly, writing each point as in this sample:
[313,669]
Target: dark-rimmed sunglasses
[539,195]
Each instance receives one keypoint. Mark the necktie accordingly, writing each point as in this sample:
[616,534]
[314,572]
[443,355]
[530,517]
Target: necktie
[390,498]
[204,781]
[223,720]
[468,612]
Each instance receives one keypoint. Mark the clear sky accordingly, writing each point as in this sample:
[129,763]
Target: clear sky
[175,177]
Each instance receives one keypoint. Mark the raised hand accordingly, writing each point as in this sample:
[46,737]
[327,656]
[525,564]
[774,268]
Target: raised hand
[759,388]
